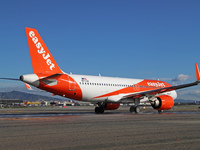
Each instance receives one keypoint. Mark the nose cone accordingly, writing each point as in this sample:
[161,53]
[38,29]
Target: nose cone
[31,79]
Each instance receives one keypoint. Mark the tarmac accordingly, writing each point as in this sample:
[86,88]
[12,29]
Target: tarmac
[80,128]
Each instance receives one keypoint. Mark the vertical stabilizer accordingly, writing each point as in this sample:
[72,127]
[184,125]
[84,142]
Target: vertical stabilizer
[42,60]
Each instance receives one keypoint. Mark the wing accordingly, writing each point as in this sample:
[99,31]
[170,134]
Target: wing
[167,89]
[158,91]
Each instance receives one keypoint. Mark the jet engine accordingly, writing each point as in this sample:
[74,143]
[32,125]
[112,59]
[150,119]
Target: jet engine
[163,102]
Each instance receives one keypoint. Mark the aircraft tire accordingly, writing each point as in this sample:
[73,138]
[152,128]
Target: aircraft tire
[99,110]
[137,109]
[132,109]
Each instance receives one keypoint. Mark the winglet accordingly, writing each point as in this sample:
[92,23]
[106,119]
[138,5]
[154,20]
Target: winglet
[197,72]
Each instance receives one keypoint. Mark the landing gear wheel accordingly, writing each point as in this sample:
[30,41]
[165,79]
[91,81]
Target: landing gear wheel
[132,109]
[99,110]
[135,109]
[160,111]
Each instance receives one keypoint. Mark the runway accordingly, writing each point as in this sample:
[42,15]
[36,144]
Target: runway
[79,128]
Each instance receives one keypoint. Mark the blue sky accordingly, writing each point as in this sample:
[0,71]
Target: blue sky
[132,38]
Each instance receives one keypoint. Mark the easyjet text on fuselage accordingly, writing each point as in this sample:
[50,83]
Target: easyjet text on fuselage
[156,84]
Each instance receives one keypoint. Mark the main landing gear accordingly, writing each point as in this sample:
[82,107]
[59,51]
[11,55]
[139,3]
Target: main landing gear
[135,109]
[100,108]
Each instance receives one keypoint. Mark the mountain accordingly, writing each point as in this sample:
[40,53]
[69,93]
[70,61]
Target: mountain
[26,96]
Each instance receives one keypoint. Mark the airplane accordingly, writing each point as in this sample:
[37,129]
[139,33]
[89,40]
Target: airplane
[106,92]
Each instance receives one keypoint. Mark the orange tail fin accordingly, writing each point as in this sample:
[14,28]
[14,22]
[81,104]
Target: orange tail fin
[42,60]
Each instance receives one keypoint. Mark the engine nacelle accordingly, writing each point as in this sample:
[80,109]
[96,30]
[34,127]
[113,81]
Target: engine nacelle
[112,106]
[163,102]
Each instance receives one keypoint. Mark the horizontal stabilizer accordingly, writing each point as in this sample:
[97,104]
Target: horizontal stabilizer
[10,79]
